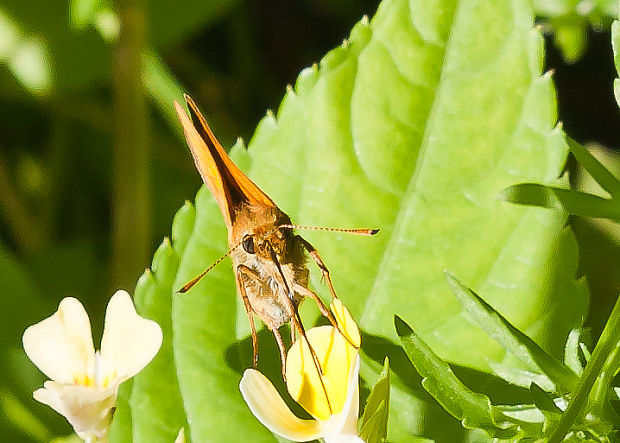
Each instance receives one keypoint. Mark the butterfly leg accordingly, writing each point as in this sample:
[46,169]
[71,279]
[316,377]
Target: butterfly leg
[276,334]
[246,273]
[319,262]
[241,272]
[306,292]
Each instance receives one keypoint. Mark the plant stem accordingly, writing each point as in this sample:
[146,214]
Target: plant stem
[607,345]
[18,217]
[131,206]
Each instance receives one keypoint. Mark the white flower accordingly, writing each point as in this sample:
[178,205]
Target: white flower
[84,383]
[335,417]
[180,436]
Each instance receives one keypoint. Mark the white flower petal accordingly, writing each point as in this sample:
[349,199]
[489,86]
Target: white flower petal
[342,438]
[266,404]
[345,423]
[129,341]
[61,346]
[87,409]
[180,436]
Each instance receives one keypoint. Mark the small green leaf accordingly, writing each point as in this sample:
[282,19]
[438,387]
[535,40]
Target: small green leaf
[521,377]
[608,344]
[543,400]
[595,168]
[376,412]
[513,340]
[473,409]
[571,352]
[573,202]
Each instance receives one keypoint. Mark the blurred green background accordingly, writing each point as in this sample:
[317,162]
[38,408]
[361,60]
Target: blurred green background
[92,161]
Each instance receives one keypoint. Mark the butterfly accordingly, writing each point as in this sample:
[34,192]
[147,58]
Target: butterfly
[269,258]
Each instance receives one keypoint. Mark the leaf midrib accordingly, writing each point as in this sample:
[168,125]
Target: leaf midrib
[386,260]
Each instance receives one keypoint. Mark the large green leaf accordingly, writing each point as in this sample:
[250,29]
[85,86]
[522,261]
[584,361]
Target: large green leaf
[413,125]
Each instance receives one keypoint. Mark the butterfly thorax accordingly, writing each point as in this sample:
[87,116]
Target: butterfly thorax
[269,262]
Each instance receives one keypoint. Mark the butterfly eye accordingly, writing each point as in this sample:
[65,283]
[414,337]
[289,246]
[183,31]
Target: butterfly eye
[248,244]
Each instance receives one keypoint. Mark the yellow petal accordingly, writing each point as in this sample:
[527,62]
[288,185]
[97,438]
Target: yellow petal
[302,380]
[61,346]
[323,396]
[269,408]
[129,341]
[345,423]
[346,322]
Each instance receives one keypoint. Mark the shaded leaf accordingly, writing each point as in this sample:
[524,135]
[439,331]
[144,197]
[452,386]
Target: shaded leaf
[544,401]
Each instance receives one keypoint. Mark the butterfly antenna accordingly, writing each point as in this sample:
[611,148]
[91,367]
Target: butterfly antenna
[196,279]
[318,228]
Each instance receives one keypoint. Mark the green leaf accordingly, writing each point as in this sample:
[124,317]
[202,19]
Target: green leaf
[521,377]
[68,439]
[570,22]
[203,335]
[574,202]
[473,409]
[377,410]
[121,428]
[370,137]
[602,361]
[156,405]
[615,43]
[513,340]
[413,125]
[571,352]
[595,168]
[544,401]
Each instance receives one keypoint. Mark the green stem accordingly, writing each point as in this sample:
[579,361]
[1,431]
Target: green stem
[131,206]
[607,345]
[17,215]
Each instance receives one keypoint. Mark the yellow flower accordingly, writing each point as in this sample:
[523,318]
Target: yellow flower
[84,383]
[332,399]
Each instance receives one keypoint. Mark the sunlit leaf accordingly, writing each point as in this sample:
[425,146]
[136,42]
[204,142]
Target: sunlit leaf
[375,418]
[413,125]
[513,340]
[473,409]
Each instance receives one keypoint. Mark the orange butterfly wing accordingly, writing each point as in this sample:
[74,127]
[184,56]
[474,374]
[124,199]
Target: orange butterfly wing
[228,184]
